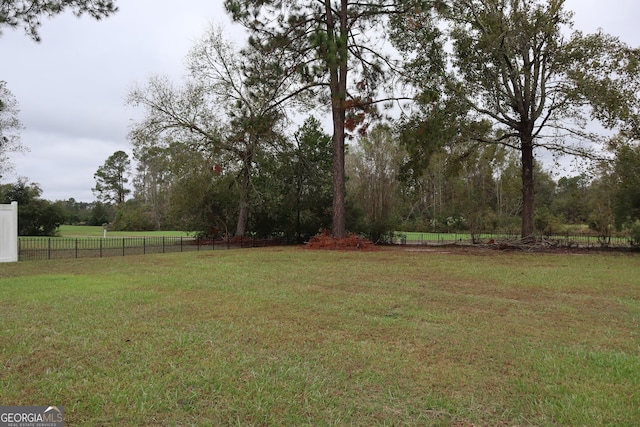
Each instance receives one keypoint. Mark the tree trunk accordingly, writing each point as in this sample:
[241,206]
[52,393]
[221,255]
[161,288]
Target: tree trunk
[338,85]
[243,207]
[339,226]
[528,219]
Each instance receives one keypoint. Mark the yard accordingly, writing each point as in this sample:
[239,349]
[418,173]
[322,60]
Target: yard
[291,336]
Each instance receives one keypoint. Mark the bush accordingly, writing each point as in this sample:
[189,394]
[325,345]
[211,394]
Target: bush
[133,217]
[634,233]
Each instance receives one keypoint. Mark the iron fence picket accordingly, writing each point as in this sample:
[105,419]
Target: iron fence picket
[37,248]
[40,248]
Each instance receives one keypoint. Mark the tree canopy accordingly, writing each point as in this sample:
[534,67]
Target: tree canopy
[111,179]
[27,14]
[223,110]
[511,65]
[331,50]
[10,127]
[36,217]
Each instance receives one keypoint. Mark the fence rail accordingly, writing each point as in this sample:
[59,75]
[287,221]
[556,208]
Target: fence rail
[565,241]
[38,248]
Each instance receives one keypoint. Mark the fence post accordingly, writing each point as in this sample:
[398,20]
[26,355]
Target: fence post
[49,248]
[9,242]
[162,244]
[101,248]
[76,247]
[123,246]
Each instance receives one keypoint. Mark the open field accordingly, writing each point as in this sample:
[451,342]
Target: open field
[97,231]
[289,336]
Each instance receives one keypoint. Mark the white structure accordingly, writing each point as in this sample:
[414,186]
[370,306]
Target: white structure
[9,232]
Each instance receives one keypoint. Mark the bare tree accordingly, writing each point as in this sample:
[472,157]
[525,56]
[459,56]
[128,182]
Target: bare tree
[10,127]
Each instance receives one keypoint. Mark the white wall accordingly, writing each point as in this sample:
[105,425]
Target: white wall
[9,232]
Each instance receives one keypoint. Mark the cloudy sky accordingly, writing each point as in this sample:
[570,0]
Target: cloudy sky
[71,86]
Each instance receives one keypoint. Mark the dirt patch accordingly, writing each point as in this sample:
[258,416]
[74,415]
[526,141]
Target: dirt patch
[352,242]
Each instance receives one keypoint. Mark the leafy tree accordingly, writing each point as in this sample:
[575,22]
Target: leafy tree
[570,200]
[27,13]
[626,191]
[36,217]
[511,66]
[153,180]
[328,49]
[204,200]
[133,216]
[313,185]
[372,168]
[293,185]
[111,179]
[101,214]
[10,127]
[75,212]
[222,110]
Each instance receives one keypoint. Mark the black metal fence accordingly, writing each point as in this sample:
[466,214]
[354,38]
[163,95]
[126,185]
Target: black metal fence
[37,248]
[587,241]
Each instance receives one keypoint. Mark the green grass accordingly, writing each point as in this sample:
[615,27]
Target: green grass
[287,336]
[98,231]
[584,239]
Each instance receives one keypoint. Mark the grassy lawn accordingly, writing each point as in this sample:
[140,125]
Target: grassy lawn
[98,231]
[288,336]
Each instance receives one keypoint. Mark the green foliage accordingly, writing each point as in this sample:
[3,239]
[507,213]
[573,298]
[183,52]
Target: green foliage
[570,200]
[627,175]
[512,66]
[29,14]
[75,212]
[547,223]
[204,202]
[10,127]
[101,214]
[293,185]
[334,56]
[133,216]
[634,232]
[111,179]
[373,168]
[36,217]
[229,111]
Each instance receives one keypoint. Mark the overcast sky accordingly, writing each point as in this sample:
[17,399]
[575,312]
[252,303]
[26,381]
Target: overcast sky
[71,86]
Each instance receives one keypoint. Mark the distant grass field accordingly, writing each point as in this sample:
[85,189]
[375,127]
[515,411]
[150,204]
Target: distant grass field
[577,237]
[289,336]
[97,231]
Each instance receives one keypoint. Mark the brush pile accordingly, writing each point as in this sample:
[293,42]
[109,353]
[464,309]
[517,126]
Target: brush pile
[352,242]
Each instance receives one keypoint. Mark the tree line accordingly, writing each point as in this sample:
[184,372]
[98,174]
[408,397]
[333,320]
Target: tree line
[438,110]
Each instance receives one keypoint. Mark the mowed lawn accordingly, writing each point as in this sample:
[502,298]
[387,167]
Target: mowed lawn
[291,336]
